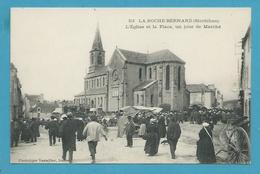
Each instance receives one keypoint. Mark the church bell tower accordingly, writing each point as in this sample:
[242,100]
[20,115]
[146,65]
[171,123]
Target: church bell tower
[97,53]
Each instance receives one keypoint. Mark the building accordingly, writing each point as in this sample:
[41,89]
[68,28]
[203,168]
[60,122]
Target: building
[245,77]
[30,102]
[15,94]
[201,94]
[35,106]
[133,78]
[80,99]
[219,99]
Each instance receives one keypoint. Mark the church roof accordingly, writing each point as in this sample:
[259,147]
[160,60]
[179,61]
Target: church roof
[155,57]
[97,44]
[144,85]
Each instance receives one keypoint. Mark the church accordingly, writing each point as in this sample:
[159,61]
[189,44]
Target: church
[133,79]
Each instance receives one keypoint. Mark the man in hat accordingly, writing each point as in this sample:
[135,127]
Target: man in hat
[33,126]
[92,131]
[68,133]
[53,130]
[129,130]
[173,135]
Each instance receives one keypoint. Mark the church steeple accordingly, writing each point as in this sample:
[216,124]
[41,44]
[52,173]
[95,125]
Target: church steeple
[97,44]
[97,53]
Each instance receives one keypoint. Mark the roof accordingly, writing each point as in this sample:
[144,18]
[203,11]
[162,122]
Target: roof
[198,88]
[33,99]
[80,94]
[132,56]
[155,57]
[245,38]
[12,66]
[45,107]
[144,85]
[97,43]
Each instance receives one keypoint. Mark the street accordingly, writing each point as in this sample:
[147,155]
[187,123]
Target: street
[114,150]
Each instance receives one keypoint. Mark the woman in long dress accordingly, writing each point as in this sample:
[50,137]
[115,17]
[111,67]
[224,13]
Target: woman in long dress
[205,148]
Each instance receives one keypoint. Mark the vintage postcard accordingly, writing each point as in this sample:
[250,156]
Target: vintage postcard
[130,85]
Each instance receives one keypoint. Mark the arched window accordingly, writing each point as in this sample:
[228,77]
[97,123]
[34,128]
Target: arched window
[152,100]
[155,73]
[140,73]
[103,81]
[179,78]
[167,78]
[150,73]
[100,58]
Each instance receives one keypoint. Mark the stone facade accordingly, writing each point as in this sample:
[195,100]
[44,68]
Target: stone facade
[156,78]
[245,85]
[201,94]
[16,94]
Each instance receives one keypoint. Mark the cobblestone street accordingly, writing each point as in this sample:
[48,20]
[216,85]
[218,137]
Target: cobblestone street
[113,150]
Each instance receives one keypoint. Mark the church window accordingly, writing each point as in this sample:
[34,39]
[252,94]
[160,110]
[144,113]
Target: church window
[167,79]
[92,83]
[152,100]
[150,72]
[100,58]
[137,99]
[179,78]
[101,101]
[103,81]
[140,73]
[142,100]
[87,85]
[155,73]
[97,82]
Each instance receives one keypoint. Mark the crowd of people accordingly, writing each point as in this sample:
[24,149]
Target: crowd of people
[155,129]
[26,130]
[165,126]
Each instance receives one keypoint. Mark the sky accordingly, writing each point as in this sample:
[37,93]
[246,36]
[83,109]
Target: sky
[50,46]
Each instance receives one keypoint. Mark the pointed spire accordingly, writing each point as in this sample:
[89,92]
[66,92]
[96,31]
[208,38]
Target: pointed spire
[97,44]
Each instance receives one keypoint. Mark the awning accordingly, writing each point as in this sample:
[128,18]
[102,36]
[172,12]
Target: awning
[57,111]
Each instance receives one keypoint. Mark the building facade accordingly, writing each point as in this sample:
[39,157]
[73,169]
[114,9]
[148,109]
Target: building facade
[132,78]
[16,94]
[245,81]
[201,94]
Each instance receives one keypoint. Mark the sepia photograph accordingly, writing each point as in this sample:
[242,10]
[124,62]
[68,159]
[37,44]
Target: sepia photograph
[130,85]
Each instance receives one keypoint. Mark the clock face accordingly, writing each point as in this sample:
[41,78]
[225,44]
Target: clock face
[115,75]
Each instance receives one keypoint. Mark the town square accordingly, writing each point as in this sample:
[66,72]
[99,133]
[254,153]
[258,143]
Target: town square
[87,86]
